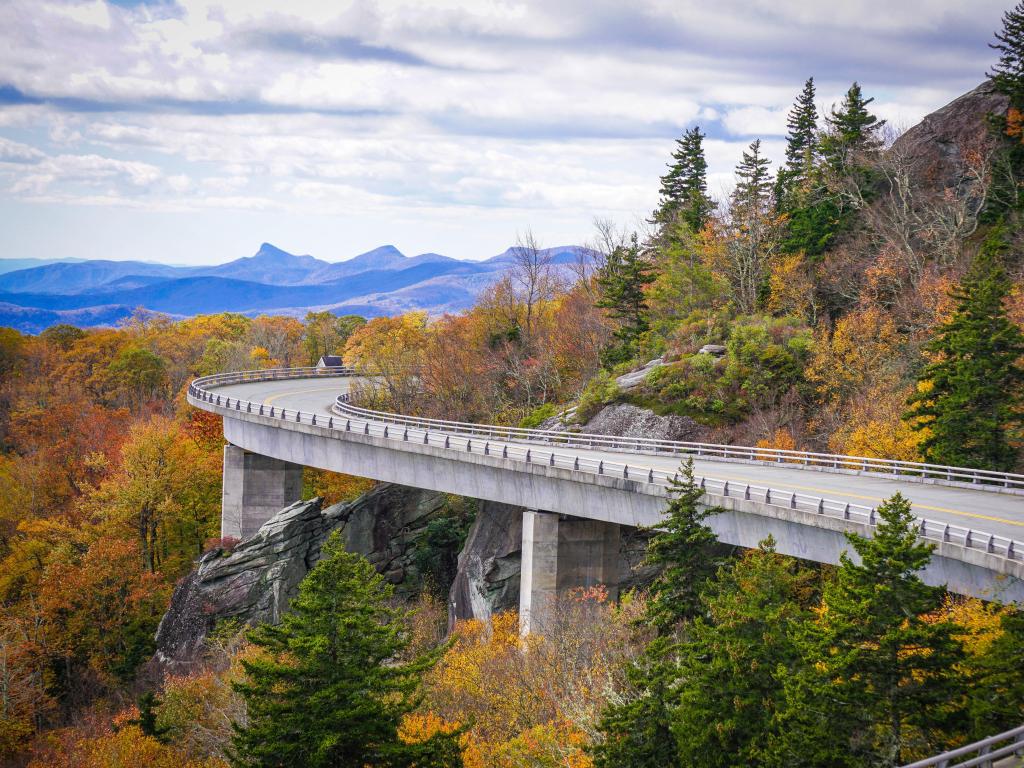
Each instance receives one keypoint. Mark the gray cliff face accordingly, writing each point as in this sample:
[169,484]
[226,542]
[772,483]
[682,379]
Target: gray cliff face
[255,582]
[625,420]
[936,147]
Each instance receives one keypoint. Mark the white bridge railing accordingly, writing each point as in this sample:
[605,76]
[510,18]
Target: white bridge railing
[986,753]
[539,447]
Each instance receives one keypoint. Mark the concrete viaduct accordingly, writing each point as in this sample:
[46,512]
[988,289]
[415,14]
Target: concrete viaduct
[578,489]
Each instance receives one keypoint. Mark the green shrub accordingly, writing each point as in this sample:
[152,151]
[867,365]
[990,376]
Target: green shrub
[538,415]
[601,390]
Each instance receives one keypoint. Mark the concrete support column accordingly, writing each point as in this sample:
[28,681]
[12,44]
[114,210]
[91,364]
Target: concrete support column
[538,579]
[255,489]
[560,554]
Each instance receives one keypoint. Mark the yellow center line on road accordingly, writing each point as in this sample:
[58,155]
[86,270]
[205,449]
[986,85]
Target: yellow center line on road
[835,492]
[272,398]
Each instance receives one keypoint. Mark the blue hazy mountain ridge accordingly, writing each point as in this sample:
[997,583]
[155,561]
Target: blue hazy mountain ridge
[10,265]
[378,282]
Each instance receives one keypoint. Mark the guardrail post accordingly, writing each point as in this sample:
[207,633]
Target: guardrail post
[945,533]
[447,443]
[298,416]
[871,516]
[469,445]
[487,448]
[990,548]
[792,501]
[527,455]
[271,411]
[821,506]
[650,476]
[405,434]
[725,488]
[504,451]
[967,539]
[366,427]
[385,430]
[552,459]
[746,493]
[248,407]
[767,495]
[330,422]
[1009,550]
[314,419]
[625,470]
[261,409]
[600,467]
[846,511]
[576,462]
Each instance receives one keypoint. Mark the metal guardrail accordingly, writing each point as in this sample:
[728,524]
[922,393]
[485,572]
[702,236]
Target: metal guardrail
[984,753]
[509,443]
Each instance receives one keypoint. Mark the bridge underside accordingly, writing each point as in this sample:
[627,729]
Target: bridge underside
[605,499]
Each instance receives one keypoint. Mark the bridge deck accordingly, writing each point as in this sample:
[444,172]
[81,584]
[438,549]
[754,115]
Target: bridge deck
[1000,514]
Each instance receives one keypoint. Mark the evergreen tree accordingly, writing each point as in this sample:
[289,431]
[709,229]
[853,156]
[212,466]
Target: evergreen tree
[801,149]
[753,191]
[971,397]
[146,720]
[754,234]
[330,693]
[622,279]
[637,732]
[1007,77]
[877,679]
[728,692]
[996,681]
[684,187]
[687,551]
[852,130]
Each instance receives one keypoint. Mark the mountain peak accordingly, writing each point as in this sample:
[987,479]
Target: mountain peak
[269,251]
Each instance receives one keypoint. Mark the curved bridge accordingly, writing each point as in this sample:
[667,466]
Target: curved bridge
[577,489]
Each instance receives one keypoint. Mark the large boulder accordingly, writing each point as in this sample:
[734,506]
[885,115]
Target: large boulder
[625,420]
[255,581]
[937,148]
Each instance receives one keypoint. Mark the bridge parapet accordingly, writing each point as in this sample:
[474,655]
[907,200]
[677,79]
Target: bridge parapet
[538,447]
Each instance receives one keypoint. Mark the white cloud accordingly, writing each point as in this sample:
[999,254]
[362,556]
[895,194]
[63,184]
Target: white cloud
[414,112]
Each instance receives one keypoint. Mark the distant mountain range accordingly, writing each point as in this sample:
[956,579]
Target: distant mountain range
[383,281]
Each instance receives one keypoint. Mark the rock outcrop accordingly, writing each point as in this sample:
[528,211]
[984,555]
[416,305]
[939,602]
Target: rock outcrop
[936,148]
[625,420]
[255,581]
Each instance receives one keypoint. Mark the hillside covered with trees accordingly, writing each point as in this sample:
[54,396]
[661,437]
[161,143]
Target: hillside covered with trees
[868,296]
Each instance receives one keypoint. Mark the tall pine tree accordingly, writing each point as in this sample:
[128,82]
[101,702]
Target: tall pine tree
[636,733]
[852,131]
[753,192]
[878,681]
[684,187]
[328,693]
[1007,77]
[970,400]
[686,550]
[727,690]
[622,280]
[801,150]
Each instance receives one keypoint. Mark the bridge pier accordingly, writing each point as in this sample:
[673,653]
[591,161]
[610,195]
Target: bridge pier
[255,489]
[561,553]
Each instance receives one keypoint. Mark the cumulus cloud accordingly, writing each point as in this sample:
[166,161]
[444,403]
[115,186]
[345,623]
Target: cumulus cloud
[396,110]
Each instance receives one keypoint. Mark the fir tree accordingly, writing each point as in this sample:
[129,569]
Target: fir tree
[876,678]
[147,703]
[1007,77]
[622,279]
[996,680]
[684,187]
[801,149]
[753,191]
[637,732]
[970,398]
[853,130]
[728,692]
[687,550]
[329,693]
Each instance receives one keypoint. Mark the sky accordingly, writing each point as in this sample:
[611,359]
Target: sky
[191,131]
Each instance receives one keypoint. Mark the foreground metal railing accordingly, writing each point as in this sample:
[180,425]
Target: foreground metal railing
[522,445]
[986,753]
